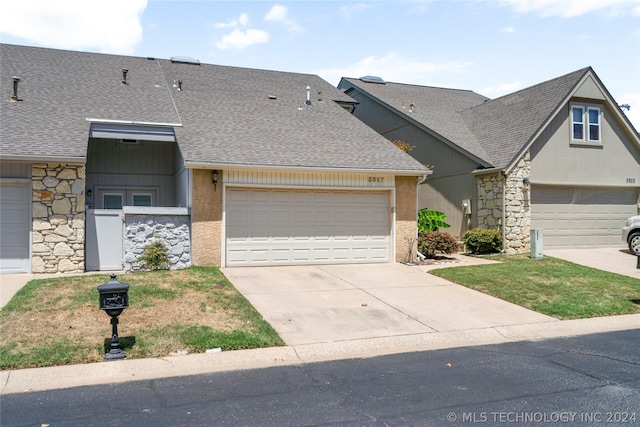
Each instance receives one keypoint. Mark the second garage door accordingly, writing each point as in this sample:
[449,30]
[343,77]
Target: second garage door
[287,227]
[582,217]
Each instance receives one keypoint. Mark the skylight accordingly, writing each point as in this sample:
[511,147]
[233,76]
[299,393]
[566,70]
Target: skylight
[184,60]
[373,79]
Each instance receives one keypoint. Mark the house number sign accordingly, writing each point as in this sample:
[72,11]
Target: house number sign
[376,179]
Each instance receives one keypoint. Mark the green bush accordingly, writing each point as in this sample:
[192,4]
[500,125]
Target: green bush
[429,220]
[483,241]
[155,256]
[436,242]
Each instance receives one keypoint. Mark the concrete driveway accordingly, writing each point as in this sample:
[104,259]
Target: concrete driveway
[331,303]
[614,260]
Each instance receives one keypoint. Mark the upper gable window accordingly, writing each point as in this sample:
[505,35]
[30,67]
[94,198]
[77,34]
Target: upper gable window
[585,123]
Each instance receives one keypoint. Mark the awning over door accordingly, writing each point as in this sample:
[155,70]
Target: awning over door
[133,132]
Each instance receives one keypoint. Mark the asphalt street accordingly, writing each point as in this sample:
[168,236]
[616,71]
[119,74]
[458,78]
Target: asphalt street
[584,380]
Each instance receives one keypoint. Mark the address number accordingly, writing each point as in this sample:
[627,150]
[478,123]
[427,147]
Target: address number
[376,179]
[631,180]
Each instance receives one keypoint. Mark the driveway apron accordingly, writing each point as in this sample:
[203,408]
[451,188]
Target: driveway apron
[329,303]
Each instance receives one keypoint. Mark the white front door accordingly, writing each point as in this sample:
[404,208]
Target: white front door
[285,227]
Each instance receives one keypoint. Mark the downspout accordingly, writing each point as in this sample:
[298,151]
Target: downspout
[504,210]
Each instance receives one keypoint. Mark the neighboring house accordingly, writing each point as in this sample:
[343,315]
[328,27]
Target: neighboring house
[102,154]
[559,156]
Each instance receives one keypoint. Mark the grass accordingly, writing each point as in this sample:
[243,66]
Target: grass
[58,321]
[551,286]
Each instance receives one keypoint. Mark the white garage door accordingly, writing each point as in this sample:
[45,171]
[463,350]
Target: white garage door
[285,227]
[15,225]
[582,217]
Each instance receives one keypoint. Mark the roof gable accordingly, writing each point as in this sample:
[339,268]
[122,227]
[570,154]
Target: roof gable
[436,110]
[504,126]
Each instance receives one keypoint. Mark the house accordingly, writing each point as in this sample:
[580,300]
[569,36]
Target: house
[560,156]
[103,154]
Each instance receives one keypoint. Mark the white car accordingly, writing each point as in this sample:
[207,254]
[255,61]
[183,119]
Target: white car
[631,234]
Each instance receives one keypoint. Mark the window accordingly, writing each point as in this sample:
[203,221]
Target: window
[141,199]
[585,123]
[577,119]
[594,124]
[112,201]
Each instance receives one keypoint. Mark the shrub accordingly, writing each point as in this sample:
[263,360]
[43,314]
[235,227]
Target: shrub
[433,242]
[429,220]
[482,241]
[155,256]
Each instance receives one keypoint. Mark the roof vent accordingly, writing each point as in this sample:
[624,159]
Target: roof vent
[14,94]
[184,60]
[124,76]
[373,79]
[308,101]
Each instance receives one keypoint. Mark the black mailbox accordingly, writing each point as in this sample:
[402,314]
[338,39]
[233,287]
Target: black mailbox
[114,298]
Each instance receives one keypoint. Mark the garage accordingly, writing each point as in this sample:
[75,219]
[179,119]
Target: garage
[15,227]
[573,217]
[265,226]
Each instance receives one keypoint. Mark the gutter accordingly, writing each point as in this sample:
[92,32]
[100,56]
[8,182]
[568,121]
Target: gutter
[46,159]
[399,172]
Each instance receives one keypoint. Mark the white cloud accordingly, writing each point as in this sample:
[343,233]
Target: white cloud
[280,13]
[501,89]
[242,20]
[508,30]
[572,8]
[110,26]
[238,39]
[394,68]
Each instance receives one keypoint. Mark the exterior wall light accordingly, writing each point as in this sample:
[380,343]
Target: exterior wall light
[214,179]
[526,182]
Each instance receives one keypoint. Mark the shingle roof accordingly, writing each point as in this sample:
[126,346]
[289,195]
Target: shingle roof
[61,89]
[229,115]
[437,109]
[494,131]
[505,125]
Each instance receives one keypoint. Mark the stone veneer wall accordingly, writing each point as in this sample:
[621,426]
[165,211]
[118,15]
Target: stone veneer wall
[517,214]
[517,227]
[58,218]
[173,230]
[490,188]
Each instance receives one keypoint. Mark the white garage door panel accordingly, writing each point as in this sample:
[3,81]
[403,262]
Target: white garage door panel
[14,228]
[265,226]
[581,217]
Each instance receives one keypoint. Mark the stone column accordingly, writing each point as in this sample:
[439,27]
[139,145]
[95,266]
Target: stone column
[58,218]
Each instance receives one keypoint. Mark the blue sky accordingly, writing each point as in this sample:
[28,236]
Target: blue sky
[490,46]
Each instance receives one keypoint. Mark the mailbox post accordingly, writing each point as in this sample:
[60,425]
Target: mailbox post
[113,300]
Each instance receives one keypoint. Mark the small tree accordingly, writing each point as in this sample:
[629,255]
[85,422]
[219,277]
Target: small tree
[155,256]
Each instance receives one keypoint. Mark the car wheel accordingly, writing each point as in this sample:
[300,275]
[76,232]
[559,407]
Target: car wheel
[634,242]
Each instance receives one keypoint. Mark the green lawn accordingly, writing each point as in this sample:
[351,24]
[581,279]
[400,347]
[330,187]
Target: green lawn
[550,286]
[58,321]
